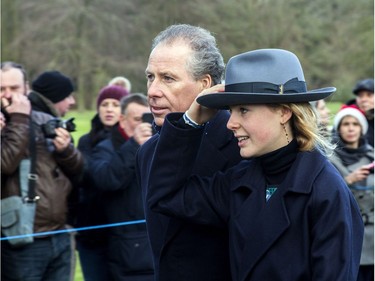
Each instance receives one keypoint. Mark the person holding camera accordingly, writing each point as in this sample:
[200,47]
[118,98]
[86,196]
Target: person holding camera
[354,159]
[128,255]
[52,93]
[48,255]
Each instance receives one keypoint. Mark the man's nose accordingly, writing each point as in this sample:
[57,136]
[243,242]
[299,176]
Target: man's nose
[154,88]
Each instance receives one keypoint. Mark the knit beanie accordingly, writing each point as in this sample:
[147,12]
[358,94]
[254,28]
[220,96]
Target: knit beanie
[53,85]
[364,85]
[111,92]
[350,111]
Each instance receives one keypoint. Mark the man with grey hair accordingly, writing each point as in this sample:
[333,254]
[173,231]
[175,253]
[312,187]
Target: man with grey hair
[184,61]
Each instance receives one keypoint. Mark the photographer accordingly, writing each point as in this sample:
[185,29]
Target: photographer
[52,93]
[46,257]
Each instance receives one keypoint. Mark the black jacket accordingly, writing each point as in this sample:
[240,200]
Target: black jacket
[185,251]
[85,200]
[112,170]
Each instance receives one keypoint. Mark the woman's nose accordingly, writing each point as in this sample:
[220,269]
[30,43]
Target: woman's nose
[232,124]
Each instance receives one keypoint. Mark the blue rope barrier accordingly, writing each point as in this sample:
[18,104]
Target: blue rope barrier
[360,187]
[72,230]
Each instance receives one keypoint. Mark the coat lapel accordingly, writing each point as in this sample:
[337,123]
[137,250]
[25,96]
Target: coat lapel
[258,223]
[265,224]
[271,222]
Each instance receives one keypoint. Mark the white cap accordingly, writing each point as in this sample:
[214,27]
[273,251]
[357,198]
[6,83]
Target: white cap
[351,111]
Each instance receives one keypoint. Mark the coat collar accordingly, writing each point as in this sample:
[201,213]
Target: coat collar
[270,222]
[306,163]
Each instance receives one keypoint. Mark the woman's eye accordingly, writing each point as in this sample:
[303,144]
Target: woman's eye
[243,110]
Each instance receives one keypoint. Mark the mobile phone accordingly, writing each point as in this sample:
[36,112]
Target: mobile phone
[147,117]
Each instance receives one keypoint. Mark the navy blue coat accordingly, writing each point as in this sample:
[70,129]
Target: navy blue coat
[85,200]
[310,229]
[112,170]
[186,251]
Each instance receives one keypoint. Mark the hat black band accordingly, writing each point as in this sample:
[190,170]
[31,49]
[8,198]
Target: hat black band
[292,86]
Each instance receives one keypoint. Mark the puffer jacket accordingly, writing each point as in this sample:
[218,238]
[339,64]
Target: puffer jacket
[347,160]
[54,169]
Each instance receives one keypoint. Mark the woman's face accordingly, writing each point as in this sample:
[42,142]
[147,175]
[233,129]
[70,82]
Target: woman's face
[258,128]
[109,112]
[323,112]
[350,131]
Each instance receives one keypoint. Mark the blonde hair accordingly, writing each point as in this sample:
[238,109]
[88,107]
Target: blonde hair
[121,81]
[304,124]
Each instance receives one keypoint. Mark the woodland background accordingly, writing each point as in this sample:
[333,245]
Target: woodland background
[94,40]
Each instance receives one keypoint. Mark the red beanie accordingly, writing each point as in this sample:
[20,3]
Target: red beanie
[111,92]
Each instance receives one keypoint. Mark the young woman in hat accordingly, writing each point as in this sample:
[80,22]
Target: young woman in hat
[288,210]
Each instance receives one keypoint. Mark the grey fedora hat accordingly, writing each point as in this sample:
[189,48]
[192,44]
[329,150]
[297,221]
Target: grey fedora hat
[264,76]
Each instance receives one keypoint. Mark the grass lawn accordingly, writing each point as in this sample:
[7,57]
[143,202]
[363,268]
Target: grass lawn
[78,274]
[83,123]
[334,107]
[82,119]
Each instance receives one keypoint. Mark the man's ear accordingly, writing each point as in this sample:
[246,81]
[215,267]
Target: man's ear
[206,81]
[27,88]
[121,120]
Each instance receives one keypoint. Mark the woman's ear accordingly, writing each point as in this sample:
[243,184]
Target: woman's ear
[286,114]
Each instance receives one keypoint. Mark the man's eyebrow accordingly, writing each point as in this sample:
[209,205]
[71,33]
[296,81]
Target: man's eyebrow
[162,73]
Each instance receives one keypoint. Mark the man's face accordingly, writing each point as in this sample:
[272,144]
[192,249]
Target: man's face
[12,82]
[170,87]
[365,100]
[64,106]
[132,117]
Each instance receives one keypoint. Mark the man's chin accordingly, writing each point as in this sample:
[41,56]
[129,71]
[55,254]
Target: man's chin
[159,121]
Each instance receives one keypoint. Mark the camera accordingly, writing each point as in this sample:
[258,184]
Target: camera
[49,127]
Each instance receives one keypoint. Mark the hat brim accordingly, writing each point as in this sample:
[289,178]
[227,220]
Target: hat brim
[225,99]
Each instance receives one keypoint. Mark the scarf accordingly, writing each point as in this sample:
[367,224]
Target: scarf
[349,155]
